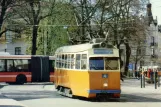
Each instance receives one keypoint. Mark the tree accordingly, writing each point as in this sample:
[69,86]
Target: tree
[52,32]
[120,17]
[5,13]
[84,11]
[32,12]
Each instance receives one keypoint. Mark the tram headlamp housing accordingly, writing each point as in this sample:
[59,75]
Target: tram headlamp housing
[103,44]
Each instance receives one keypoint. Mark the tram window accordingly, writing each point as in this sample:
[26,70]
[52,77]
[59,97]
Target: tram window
[84,61]
[65,61]
[2,65]
[111,64]
[77,61]
[57,61]
[68,61]
[96,63]
[60,61]
[29,67]
[21,65]
[72,61]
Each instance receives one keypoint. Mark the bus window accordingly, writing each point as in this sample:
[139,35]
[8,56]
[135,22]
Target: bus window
[10,65]
[29,62]
[84,61]
[21,65]
[111,64]
[77,61]
[51,65]
[96,63]
[2,65]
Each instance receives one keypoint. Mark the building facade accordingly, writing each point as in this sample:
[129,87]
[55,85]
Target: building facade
[12,45]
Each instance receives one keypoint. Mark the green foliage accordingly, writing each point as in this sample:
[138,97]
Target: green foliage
[52,32]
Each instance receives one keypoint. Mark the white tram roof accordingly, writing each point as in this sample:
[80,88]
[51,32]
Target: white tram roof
[74,48]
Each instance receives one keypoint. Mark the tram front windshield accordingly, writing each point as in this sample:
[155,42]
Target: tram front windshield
[103,63]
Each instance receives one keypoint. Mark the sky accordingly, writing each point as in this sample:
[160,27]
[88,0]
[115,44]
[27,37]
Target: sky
[156,9]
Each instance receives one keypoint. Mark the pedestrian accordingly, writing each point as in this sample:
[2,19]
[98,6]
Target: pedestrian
[151,76]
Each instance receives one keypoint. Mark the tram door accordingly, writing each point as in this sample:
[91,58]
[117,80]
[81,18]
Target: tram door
[40,69]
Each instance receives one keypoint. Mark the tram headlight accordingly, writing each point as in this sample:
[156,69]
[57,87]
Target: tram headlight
[105,84]
[103,44]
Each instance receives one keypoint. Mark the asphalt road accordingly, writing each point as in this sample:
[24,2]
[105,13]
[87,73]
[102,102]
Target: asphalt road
[44,95]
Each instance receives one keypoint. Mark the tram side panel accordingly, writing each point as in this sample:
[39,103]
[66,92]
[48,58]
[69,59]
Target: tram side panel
[77,81]
[89,84]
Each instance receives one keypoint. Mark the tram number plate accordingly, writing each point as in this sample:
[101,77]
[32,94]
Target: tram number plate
[104,75]
[103,51]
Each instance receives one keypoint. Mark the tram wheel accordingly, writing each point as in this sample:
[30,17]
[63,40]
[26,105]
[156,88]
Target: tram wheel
[68,92]
[65,91]
[21,79]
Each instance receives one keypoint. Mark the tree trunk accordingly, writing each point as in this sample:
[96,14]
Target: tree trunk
[34,40]
[128,53]
[2,14]
[136,59]
[136,65]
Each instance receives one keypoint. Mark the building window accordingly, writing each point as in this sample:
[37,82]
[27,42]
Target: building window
[17,50]
[152,39]
[139,51]
[152,51]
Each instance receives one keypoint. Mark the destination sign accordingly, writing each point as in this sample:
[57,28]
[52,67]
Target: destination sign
[103,51]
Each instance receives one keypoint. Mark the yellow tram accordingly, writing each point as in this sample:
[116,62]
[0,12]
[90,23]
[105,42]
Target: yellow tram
[88,70]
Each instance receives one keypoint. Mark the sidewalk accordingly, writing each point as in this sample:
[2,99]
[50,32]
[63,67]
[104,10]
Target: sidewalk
[6,102]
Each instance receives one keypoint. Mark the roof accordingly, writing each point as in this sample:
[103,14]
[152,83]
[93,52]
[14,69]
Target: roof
[74,48]
[78,48]
[15,56]
[22,56]
[4,53]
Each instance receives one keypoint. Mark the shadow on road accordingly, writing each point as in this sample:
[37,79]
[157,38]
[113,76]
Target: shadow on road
[2,85]
[52,94]
[149,97]
[126,98]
